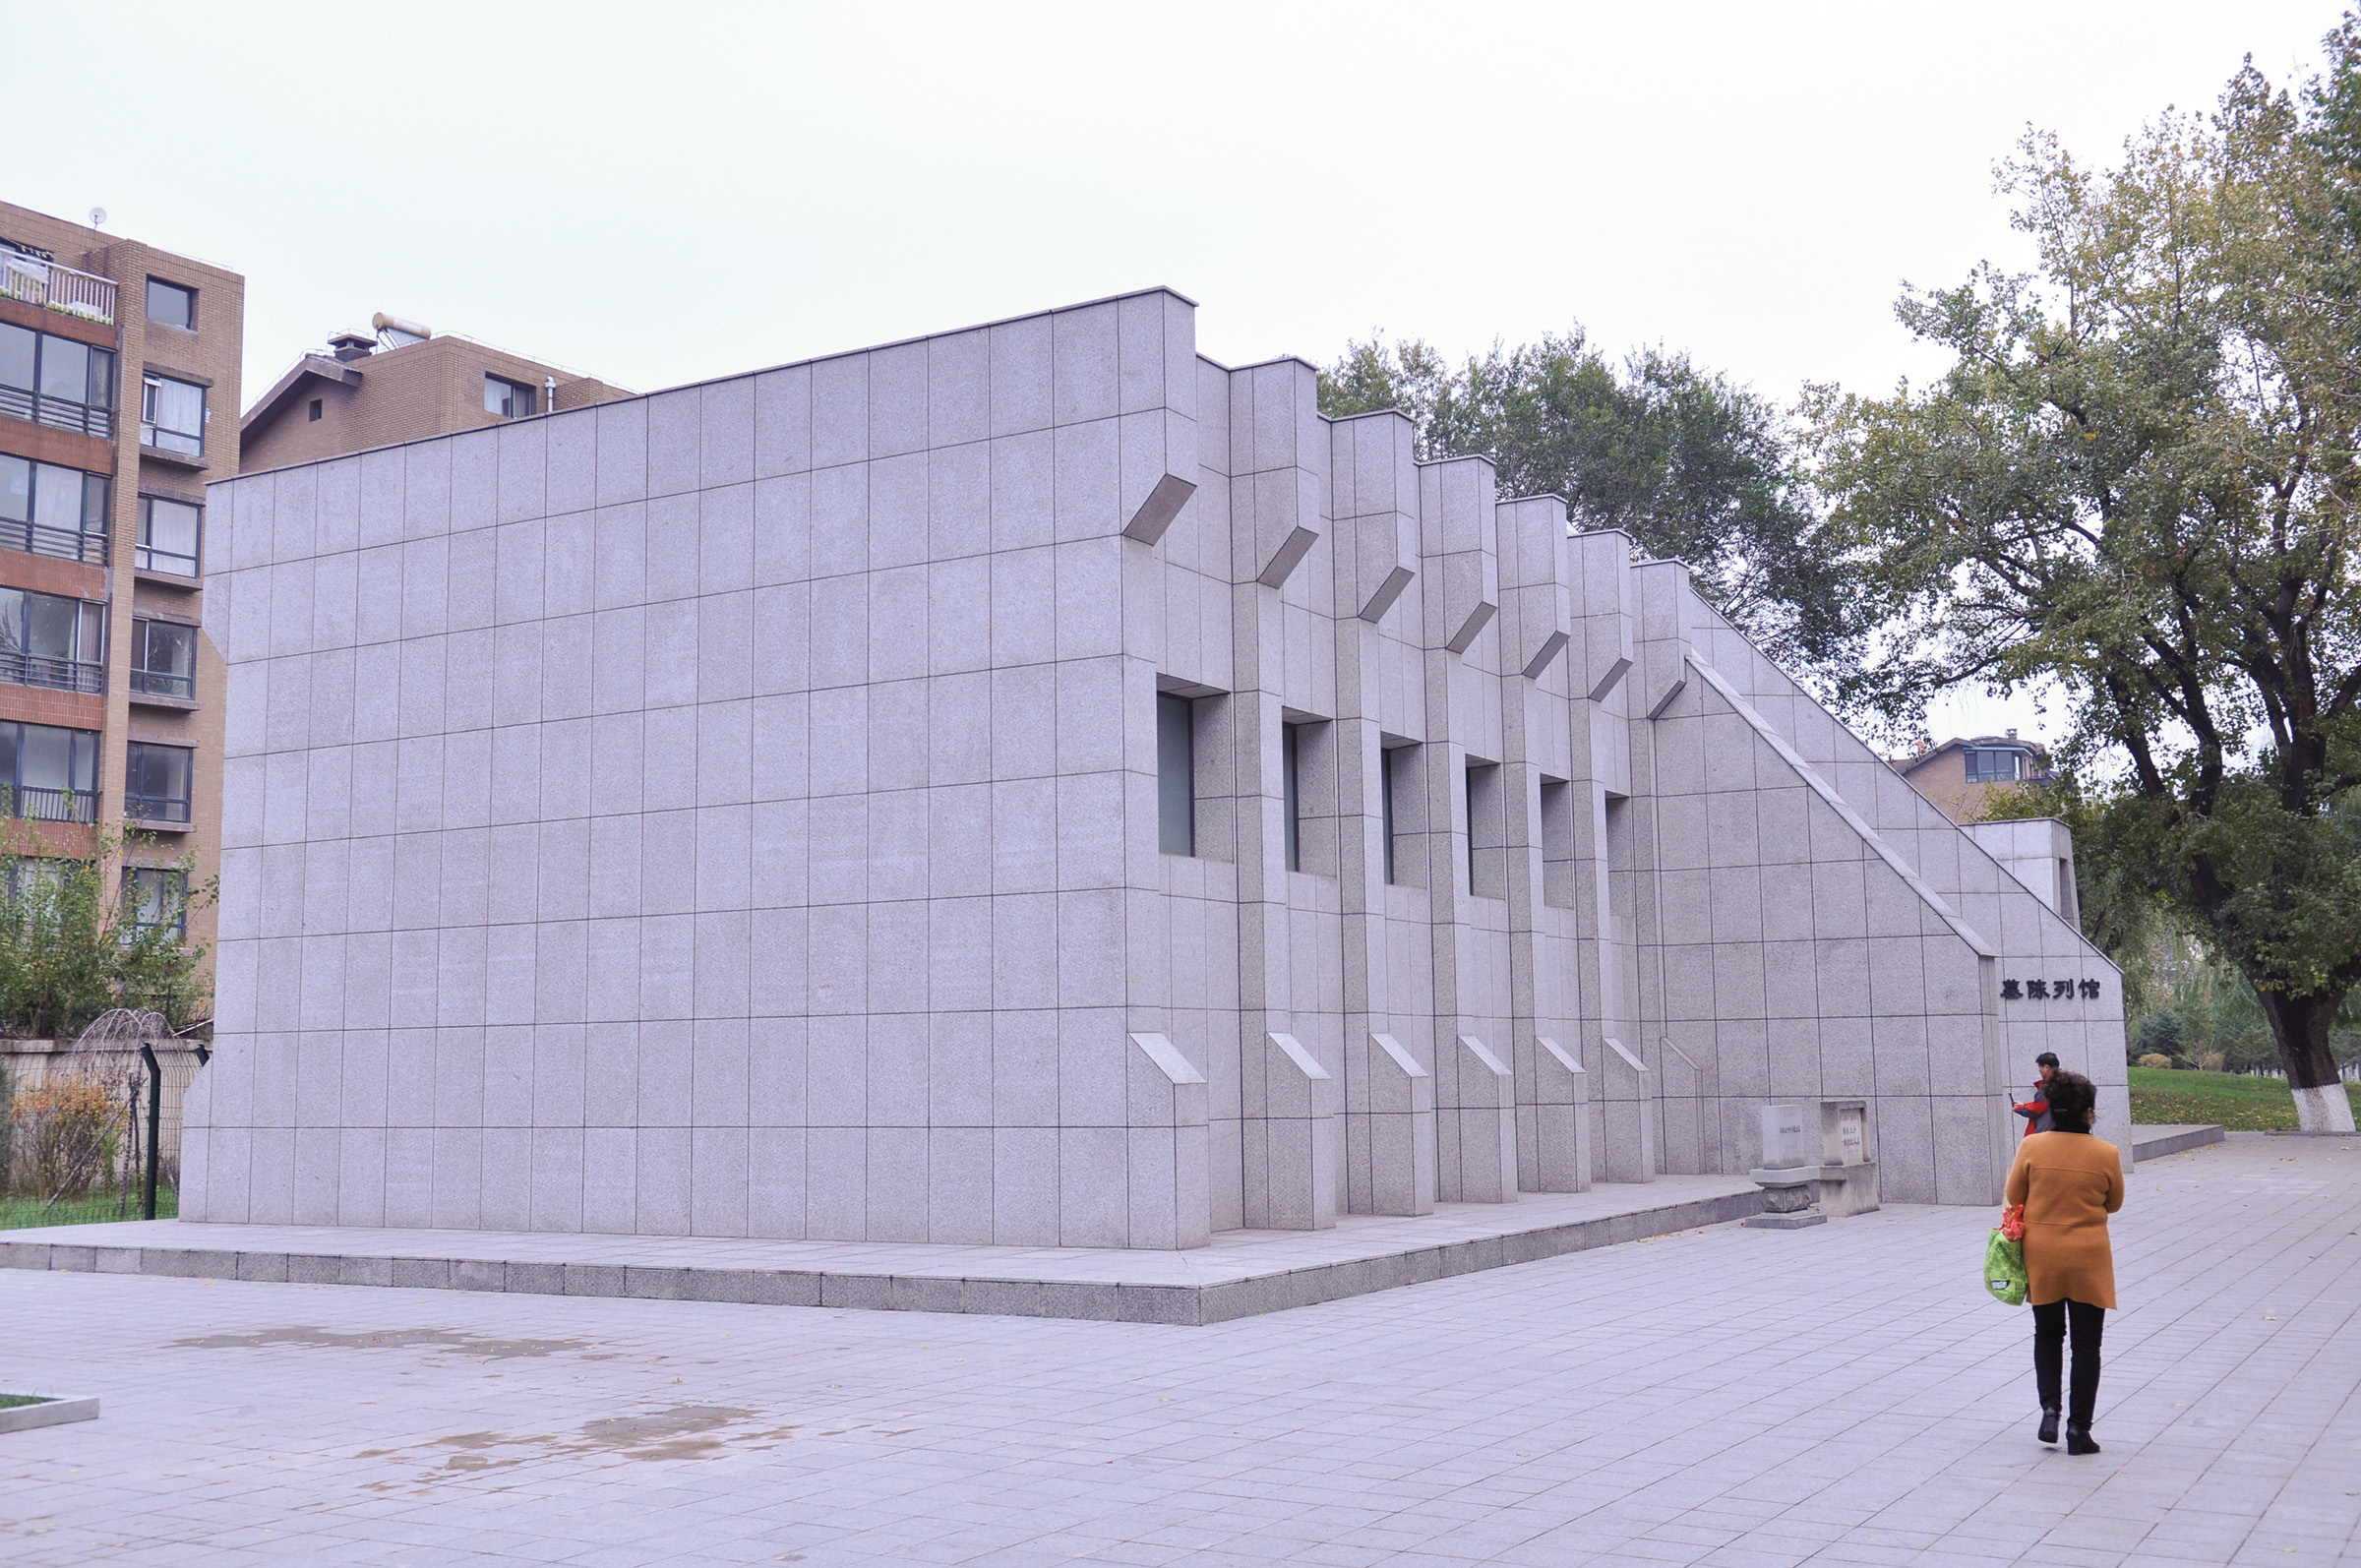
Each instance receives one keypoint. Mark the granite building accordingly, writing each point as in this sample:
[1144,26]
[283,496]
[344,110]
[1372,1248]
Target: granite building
[1034,785]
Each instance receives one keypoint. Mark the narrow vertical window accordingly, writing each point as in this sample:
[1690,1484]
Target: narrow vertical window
[1557,843]
[1291,769]
[1487,860]
[1176,777]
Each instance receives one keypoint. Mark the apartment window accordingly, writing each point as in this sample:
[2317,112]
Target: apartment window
[169,533]
[163,659]
[1175,776]
[35,876]
[156,899]
[156,782]
[48,639]
[172,305]
[315,413]
[56,380]
[509,399]
[52,510]
[49,774]
[172,415]
[1994,764]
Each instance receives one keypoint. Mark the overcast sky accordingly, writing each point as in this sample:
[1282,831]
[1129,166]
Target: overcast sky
[657,193]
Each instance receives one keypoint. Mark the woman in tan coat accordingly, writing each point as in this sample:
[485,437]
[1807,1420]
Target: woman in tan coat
[2069,1183]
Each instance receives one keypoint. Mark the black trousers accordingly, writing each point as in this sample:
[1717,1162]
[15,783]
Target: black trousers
[2050,1323]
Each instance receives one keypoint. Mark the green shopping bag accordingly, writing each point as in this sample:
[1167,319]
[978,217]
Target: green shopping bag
[2004,1270]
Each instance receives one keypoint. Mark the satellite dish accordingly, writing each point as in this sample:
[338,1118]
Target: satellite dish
[98,216]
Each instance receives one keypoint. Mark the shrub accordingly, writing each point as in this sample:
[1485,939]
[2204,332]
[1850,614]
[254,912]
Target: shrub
[63,1130]
[2156,1058]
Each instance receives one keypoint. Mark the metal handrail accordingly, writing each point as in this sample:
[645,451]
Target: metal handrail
[155,808]
[41,539]
[57,413]
[163,683]
[58,287]
[19,668]
[147,558]
[44,805]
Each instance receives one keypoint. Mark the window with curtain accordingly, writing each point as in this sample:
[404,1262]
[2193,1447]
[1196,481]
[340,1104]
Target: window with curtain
[168,535]
[172,416]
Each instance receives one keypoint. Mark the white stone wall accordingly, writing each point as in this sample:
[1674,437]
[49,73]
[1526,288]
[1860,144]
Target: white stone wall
[733,811]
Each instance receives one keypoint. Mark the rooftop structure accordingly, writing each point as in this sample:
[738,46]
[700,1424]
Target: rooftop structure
[400,382]
[1961,774]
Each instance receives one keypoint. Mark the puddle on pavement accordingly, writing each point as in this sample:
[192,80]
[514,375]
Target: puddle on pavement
[401,1339]
[684,1431]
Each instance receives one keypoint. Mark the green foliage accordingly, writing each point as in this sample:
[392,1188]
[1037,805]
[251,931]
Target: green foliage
[1693,467]
[2137,482]
[2235,1102]
[70,948]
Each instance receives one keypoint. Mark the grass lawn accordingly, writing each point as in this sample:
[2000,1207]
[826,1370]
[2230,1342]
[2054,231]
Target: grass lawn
[2230,1099]
[16,1211]
[12,1401]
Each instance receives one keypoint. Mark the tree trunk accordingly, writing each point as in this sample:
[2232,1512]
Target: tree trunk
[2300,1025]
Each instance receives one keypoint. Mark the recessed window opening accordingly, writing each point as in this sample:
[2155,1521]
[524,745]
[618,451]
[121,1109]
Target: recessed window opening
[172,305]
[1399,811]
[1488,869]
[1557,843]
[1175,776]
[1291,791]
[315,413]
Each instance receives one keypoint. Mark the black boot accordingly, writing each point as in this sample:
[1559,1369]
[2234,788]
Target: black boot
[2049,1424]
[2078,1439]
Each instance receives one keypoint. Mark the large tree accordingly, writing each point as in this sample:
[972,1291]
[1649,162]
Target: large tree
[1693,467]
[2136,484]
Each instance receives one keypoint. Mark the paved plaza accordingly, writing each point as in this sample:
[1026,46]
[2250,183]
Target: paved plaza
[1726,1396]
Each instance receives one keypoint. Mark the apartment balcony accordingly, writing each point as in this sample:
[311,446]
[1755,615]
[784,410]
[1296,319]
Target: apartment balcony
[57,288]
[37,803]
[19,668]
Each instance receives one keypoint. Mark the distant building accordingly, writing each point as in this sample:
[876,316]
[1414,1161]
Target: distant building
[1958,775]
[404,383]
[115,357]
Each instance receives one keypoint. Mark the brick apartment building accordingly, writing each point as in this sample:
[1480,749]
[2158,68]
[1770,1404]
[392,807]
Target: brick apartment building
[114,358]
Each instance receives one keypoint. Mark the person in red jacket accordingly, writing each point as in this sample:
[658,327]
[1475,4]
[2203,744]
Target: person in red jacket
[2036,1110]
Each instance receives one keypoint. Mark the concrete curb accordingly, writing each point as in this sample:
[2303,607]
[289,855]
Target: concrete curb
[54,1409]
[2154,1143]
[1099,1299]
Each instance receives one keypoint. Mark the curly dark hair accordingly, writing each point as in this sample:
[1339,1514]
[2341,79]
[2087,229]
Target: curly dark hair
[2073,1102]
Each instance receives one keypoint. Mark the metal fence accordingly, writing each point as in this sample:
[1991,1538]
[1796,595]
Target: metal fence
[89,1135]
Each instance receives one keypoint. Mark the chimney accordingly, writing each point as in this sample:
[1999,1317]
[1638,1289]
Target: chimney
[2012,735]
[349,347]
